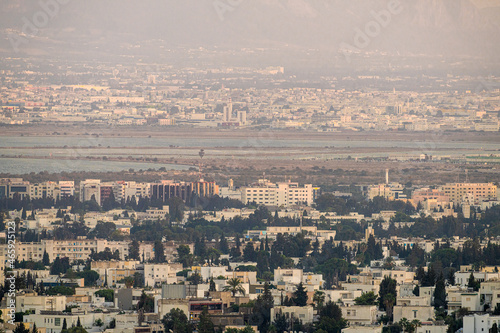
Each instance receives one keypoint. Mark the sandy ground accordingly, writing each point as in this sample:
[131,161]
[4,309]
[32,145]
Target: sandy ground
[291,165]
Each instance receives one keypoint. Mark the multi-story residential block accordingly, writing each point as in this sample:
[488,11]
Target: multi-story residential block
[470,192]
[14,186]
[293,276]
[273,232]
[66,188]
[45,190]
[129,189]
[393,191]
[167,189]
[81,249]
[424,194]
[478,323]
[284,194]
[156,274]
[90,189]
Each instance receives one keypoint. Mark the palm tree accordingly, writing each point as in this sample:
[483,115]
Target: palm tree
[318,299]
[234,286]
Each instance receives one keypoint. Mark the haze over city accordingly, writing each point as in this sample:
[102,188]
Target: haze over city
[249,166]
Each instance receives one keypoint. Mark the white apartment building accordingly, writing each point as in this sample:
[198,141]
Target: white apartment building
[81,249]
[273,232]
[66,188]
[129,189]
[45,190]
[293,276]
[480,323]
[462,278]
[156,274]
[284,194]
[90,188]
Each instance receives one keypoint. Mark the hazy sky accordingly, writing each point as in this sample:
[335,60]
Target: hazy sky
[93,28]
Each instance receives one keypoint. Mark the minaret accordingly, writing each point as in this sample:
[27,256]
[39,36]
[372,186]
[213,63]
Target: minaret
[386,176]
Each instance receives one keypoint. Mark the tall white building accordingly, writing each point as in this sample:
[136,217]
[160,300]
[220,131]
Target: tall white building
[477,323]
[227,116]
[278,194]
[66,188]
[89,188]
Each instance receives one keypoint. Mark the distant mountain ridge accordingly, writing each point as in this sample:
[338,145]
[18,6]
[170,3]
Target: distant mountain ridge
[446,27]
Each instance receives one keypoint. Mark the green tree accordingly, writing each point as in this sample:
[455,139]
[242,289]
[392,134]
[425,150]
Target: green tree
[205,325]
[176,209]
[330,319]
[494,328]
[159,252]
[212,285]
[223,246]
[249,253]
[280,323]
[409,326]
[77,329]
[300,295]
[472,283]
[368,298]
[184,256]
[261,312]
[133,252]
[176,321]
[235,287]
[108,294]
[195,278]
[387,295]
[440,294]
[318,299]
[46,260]
[146,303]
[20,328]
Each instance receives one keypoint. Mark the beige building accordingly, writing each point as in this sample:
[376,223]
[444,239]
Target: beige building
[424,194]
[475,192]
[45,190]
[80,249]
[279,194]
[422,313]
[303,313]
[36,303]
[272,232]
[360,314]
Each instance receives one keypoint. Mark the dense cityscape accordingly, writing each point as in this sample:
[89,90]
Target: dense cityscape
[270,166]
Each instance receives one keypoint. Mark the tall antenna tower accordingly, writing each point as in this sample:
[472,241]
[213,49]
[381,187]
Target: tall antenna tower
[201,154]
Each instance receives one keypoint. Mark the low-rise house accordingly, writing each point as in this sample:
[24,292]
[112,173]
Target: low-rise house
[422,313]
[303,313]
[360,314]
